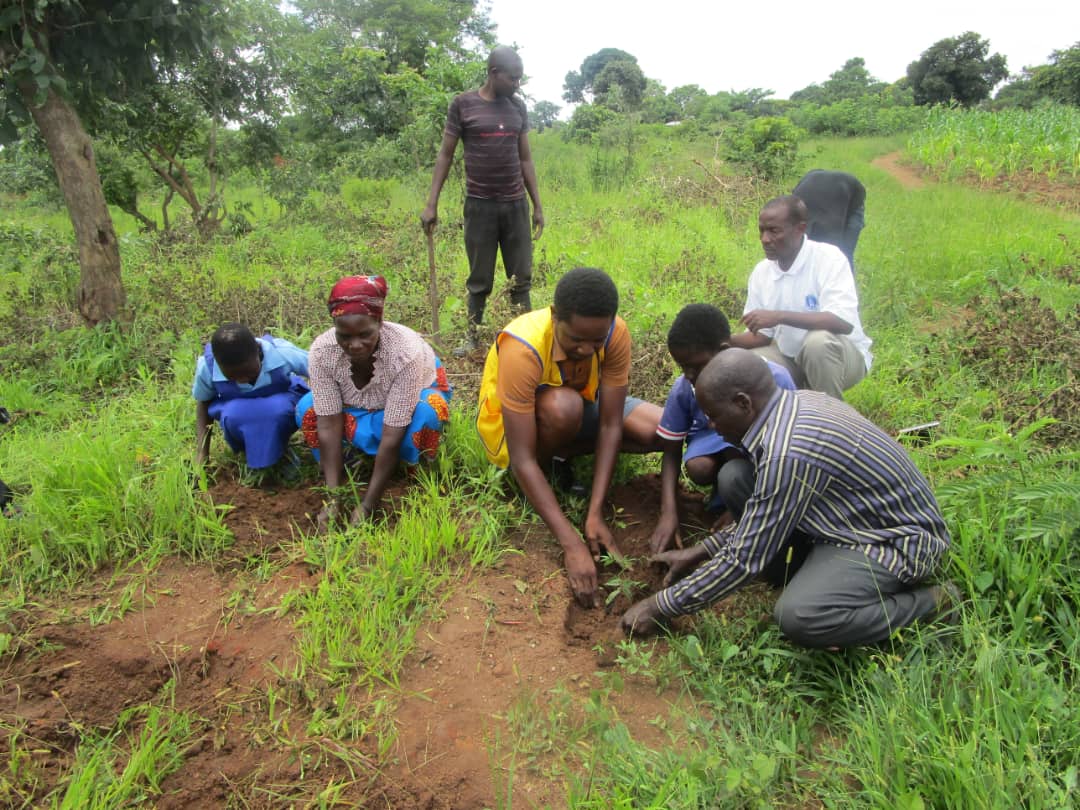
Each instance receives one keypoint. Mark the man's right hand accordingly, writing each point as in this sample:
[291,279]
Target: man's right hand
[429,218]
[581,570]
[681,561]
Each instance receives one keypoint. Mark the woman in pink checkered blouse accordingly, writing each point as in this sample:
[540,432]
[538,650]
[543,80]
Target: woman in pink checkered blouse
[376,386]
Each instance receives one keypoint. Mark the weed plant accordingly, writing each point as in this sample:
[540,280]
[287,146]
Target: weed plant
[150,756]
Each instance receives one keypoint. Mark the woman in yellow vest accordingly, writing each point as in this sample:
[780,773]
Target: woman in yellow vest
[554,386]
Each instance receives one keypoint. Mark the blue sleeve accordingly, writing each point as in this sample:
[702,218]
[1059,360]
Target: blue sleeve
[203,388]
[781,375]
[677,417]
[296,359]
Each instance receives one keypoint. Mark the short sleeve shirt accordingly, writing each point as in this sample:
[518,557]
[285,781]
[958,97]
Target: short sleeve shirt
[520,372]
[819,280]
[490,132]
[404,366]
[683,418]
[276,353]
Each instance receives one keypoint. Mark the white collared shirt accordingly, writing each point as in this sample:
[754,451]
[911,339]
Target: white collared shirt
[819,280]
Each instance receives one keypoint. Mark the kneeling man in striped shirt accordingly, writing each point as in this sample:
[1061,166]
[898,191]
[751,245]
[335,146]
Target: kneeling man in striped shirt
[840,516]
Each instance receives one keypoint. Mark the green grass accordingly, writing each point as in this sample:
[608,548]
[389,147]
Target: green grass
[143,758]
[981,718]
[985,145]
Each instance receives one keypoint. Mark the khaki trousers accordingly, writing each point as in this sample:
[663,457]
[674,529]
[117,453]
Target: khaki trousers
[827,362]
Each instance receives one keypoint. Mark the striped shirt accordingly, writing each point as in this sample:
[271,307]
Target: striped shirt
[823,470]
[404,366]
[490,131]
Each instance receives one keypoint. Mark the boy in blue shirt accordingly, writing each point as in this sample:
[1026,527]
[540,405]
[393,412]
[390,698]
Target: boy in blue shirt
[699,333]
[250,386]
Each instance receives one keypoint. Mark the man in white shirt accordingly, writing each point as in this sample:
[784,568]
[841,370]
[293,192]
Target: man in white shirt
[802,310]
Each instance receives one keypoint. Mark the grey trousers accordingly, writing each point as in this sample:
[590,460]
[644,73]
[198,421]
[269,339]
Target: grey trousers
[826,362]
[839,597]
[735,484]
[490,227]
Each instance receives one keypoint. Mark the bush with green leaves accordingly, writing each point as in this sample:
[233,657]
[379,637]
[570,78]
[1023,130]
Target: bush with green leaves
[766,146]
[587,121]
[868,115]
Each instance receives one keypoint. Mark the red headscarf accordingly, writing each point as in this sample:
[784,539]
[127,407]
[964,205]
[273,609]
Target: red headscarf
[358,295]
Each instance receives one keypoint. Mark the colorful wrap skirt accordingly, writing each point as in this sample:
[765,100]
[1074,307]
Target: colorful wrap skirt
[363,428]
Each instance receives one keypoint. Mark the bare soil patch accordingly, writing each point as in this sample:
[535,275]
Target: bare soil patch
[209,631]
[513,634]
[508,634]
[262,518]
[71,675]
[906,175]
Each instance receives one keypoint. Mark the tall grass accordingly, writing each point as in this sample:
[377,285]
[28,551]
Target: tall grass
[988,145]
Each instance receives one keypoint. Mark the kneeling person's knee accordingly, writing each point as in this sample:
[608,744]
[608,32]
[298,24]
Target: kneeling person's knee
[800,622]
[559,414]
[735,484]
[701,470]
[819,341]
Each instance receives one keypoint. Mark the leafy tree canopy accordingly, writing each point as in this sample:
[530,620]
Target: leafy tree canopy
[405,30]
[852,81]
[688,98]
[544,114]
[93,50]
[1060,79]
[956,69]
[620,86]
[372,70]
[580,83]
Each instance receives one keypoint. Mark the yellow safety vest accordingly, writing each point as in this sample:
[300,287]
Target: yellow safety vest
[536,330]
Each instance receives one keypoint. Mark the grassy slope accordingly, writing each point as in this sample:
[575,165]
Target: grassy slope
[984,723]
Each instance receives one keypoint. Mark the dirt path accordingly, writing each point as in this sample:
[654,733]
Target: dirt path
[908,177]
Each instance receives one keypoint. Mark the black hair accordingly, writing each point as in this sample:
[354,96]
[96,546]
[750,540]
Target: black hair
[585,291]
[233,344]
[501,57]
[699,326]
[794,207]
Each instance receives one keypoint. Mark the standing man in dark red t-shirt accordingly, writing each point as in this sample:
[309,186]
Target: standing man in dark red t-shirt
[493,124]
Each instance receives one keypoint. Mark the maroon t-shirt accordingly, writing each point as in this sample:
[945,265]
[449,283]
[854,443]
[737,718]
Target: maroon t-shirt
[490,131]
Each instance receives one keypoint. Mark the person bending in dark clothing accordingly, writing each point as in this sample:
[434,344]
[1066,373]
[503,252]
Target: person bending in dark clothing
[836,203]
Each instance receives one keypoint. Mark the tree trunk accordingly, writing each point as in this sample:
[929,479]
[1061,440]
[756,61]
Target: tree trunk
[165,208]
[101,290]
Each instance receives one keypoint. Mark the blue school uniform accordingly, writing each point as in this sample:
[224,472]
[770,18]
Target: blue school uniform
[256,419]
[683,419]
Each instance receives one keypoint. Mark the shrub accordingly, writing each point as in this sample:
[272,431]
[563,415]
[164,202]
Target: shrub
[767,146]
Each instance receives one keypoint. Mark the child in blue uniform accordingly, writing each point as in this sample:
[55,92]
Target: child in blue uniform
[698,334]
[250,386]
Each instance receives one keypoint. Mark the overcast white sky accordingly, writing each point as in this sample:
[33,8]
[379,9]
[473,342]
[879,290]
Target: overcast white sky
[773,44]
